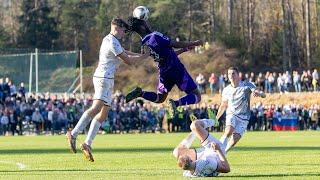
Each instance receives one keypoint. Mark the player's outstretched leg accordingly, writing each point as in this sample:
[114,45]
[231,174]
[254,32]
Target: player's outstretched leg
[93,131]
[135,93]
[191,98]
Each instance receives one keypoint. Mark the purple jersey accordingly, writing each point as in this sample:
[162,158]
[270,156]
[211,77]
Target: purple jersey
[171,70]
[161,51]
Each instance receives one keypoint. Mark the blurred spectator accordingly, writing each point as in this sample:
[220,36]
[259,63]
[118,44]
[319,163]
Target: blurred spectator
[201,81]
[222,83]
[315,80]
[37,119]
[296,81]
[213,81]
[287,82]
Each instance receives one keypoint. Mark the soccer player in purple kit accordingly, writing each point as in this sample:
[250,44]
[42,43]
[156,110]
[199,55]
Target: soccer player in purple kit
[171,70]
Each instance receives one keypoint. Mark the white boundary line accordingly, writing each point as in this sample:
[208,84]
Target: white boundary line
[20,165]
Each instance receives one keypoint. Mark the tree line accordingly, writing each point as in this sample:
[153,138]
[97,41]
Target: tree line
[280,34]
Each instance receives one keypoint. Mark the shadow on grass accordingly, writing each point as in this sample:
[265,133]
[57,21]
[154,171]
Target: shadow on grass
[109,171]
[99,150]
[275,148]
[271,175]
[146,150]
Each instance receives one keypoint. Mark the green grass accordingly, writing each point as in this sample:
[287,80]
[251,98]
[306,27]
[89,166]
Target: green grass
[259,155]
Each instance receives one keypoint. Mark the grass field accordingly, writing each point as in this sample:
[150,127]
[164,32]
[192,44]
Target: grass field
[259,155]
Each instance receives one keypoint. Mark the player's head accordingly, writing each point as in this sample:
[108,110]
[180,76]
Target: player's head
[118,27]
[233,74]
[184,162]
[139,26]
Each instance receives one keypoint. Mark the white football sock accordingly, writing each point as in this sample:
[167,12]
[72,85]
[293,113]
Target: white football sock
[82,123]
[94,128]
[188,140]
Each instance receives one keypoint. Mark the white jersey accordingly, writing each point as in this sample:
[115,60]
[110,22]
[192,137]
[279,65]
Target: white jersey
[238,99]
[108,60]
[206,163]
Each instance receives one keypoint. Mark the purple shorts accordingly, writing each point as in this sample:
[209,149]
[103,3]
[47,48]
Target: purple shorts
[176,76]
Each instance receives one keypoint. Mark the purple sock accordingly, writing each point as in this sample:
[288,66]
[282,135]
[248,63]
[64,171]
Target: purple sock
[186,100]
[150,96]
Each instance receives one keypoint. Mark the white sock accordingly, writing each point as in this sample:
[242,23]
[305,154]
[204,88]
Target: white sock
[82,123]
[94,128]
[188,140]
[208,122]
[224,141]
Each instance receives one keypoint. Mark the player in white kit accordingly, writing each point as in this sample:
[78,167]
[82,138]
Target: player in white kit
[206,161]
[236,100]
[110,56]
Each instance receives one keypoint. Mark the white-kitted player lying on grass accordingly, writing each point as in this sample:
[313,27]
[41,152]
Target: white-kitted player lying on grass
[206,161]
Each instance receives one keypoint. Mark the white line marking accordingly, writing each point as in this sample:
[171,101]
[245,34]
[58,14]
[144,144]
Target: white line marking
[20,165]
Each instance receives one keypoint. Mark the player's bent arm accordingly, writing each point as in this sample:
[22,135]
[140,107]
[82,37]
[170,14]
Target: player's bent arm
[131,59]
[223,106]
[223,165]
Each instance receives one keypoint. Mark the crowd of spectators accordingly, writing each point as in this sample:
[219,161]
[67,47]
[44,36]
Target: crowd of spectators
[270,82]
[27,114]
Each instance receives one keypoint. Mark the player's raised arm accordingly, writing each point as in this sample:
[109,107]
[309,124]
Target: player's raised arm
[185,44]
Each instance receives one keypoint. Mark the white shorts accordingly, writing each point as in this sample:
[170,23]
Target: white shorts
[238,124]
[103,88]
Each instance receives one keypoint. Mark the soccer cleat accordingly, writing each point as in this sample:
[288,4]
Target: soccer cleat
[87,152]
[137,92]
[172,108]
[72,142]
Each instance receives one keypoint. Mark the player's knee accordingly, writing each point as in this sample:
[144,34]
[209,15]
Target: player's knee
[236,136]
[93,111]
[229,131]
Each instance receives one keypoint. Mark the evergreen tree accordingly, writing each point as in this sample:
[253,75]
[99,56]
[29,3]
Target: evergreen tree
[38,29]
[77,19]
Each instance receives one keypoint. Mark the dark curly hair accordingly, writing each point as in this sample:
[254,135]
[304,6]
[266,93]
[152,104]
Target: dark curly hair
[137,25]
